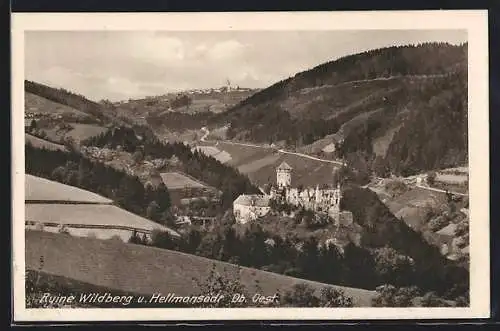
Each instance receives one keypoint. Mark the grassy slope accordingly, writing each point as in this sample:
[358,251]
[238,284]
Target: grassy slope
[45,99]
[85,131]
[141,269]
[260,164]
[38,188]
[42,143]
[36,103]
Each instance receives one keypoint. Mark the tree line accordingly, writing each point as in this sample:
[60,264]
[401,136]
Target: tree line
[353,266]
[65,97]
[205,168]
[72,168]
[429,115]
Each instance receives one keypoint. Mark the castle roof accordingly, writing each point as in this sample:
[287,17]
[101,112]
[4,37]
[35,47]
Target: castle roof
[252,200]
[284,166]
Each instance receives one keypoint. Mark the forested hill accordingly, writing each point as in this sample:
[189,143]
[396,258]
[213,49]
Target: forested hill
[376,102]
[100,112]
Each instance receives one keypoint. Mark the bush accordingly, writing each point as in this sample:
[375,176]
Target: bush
[226,284]
[391,296]
[438,223]
[162,239]
[431,178]
[396,187]
[334,298]
[430,299]
[301,295]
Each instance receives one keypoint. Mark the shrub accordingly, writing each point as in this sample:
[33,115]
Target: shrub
[301,295]
[334,298]
[391,296]
[430,299]
[438,223]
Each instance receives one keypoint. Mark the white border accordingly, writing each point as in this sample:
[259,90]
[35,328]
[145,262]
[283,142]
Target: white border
[475,22]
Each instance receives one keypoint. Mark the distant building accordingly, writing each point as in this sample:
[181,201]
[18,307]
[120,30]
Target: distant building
[247,208]
[184,189]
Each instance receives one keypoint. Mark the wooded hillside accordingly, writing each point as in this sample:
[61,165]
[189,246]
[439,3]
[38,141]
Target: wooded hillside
[385,97]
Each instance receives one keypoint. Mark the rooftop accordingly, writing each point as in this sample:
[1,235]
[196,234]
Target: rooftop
[253,200]
[284,166]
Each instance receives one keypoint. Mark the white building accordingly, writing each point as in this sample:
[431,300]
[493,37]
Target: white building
[247,208]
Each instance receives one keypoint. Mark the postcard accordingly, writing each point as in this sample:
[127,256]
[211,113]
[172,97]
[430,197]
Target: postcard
[250,166]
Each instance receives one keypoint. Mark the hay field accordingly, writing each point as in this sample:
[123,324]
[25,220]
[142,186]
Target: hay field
[141,269]
[305,171]
[37,104]
[260,164]
[42,143]
[175,180]
[41,189]
[241,155]
[412,205]
[84,131]
[89,215]
[449,178]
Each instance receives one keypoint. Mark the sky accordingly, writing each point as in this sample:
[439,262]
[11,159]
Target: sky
[122,65]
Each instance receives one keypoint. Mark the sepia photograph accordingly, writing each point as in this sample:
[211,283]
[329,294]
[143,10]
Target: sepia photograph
[282,166]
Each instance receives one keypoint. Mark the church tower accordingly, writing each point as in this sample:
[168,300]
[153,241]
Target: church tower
[284,176]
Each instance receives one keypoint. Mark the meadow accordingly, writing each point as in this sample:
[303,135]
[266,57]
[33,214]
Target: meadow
[260,163]
[141,269]
[42,143]
[174,180]
[89,215]
[37,104]
[41,189]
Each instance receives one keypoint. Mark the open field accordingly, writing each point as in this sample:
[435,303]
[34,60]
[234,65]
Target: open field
[381,144]
[175,180]
[413,205]
[260,163]
[41,189]
[37,104]
[221,156]
[42,143]
[449,178]
[141,269]
[89,216]
[241,155]
[77,131]
[84,131]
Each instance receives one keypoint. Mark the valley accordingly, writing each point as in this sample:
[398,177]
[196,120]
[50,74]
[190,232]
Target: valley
[383,141]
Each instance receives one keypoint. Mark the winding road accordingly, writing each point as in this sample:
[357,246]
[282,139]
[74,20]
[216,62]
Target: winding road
[207,132]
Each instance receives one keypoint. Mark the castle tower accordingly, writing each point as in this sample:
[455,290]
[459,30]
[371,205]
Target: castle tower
[334,210]
[284,175]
